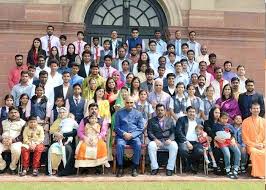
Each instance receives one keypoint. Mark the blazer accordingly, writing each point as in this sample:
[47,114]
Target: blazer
[197,93]
[165,89]
[58,92]
[82,71]
[118,45]
[144,86]
[115,64]
[182,128]
[155,131]
[245,104]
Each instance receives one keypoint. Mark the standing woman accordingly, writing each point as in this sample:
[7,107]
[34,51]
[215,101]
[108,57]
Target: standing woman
[54,55]
[23,102]
[35,51]
[135,88]
[228,103]
[71,56]
[194,101]
[111,93]
[208,101]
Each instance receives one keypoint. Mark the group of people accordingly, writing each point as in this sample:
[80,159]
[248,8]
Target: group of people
[69,100]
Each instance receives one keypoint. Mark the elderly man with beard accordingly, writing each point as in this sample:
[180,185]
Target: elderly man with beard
[11,139]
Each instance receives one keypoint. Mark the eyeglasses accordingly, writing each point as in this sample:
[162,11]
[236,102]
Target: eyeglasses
[158,85]
[129,102]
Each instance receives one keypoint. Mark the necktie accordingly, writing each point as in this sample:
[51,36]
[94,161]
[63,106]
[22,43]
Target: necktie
[79,48]
[62,50]
[177,47]
[49,44]
[97,53]
[76,101]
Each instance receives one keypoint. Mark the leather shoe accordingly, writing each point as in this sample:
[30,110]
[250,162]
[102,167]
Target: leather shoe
[134,173]
[119,172]
[12,172]
[169,172]
[154,172]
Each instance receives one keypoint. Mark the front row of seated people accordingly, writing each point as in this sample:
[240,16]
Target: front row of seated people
[186,138]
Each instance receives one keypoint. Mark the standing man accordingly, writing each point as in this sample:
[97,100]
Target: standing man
[135,39]
[129,126]
[212,65]
[154,56]
[246,99]
[193,66]
[203,55]
[161,134]
[50,40]
[160,44]
[241,72]
[228,74]
[84,68]
[62,50]
[11,136]
[189,147]
[79,44]
[218,83]
[23,87]
[193,44]
[203,71]
[114,44]
[177,42]
[14,74]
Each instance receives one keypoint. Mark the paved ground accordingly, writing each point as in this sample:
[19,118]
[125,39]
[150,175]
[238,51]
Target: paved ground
[112,178]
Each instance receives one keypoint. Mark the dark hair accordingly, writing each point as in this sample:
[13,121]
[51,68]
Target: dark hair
[65,72]
[50,26]
[179,84]
[31,67]
[202,62]
[86,52]
[183,60]
[106,41]
[142,90]
[80,32]
[125,61]
[178,62]
[124,88]
[184,44]
[231,95]
[95,96]
[212,55]
[40,47]
[255,103]
[13,108]
[191,50]
[249,81]
[131,89]
[18,55]
[161,67]
[70,44]
[77,84]
[62,37]
[139,45]
[224,114]
[140,63]
[226,62]
[162,57]
[202,76]
[108,90]
[130,74]
[235,79]
[43,72]
[41,56]
[160,105]
[169,46]
[191,32]
[53,61]
[108,56]
[95,38]
[75,64]
[9,96]
[93,105]
[31,118]
[135,28]
[94,65]
[149,71]
[170,75]
[189,108]
[152,41]
[189,85]
[21,96]
[218,68]
[172,53]
[24,72]
[211,119]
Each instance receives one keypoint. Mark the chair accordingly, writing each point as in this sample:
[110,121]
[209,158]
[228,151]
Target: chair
[83,167]
[205,166]
[164,151]
[128,152]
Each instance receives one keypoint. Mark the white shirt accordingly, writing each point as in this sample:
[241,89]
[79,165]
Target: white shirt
[216,86]
[82,44]
[104,72]
[95,50]
[56,80]
[181,77]
[154,63]
[195,46]
[38,70]
[191,132]
[87,68]
[203,58]
[171,90]
[242,85]
[193,67]
[201,90]
[114,42]
[161,46]
[65,89]
[54,42]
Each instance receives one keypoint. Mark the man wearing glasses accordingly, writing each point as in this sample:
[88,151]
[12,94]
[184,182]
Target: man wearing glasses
[129,126]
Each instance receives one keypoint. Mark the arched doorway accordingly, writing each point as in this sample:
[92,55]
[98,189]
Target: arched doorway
[104,16]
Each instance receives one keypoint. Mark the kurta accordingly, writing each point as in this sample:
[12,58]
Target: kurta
[253,132]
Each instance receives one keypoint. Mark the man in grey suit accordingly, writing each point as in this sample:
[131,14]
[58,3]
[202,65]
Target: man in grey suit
[177,42]
[148,85]
[114,44]
[161,132]
[117,63]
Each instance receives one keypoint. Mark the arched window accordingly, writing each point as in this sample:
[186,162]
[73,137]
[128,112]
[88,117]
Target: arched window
[104,16]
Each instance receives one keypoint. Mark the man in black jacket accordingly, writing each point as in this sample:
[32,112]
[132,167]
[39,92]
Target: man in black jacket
[246,99]
[162,136]
[189,149]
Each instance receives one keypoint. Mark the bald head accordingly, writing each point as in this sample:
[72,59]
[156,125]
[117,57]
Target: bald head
[158,85]
[129,102]
[203,49]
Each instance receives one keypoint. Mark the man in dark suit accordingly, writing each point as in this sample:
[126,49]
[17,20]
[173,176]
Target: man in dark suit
[148,85]
[169,87]
[162,136]
[190,150]
[84,68]
[246,99]
[200,89]
[65,90]
[114,44]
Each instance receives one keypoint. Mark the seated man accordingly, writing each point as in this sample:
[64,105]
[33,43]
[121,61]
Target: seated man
[189,149]
[11,137]
[161,134]
[129,126]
